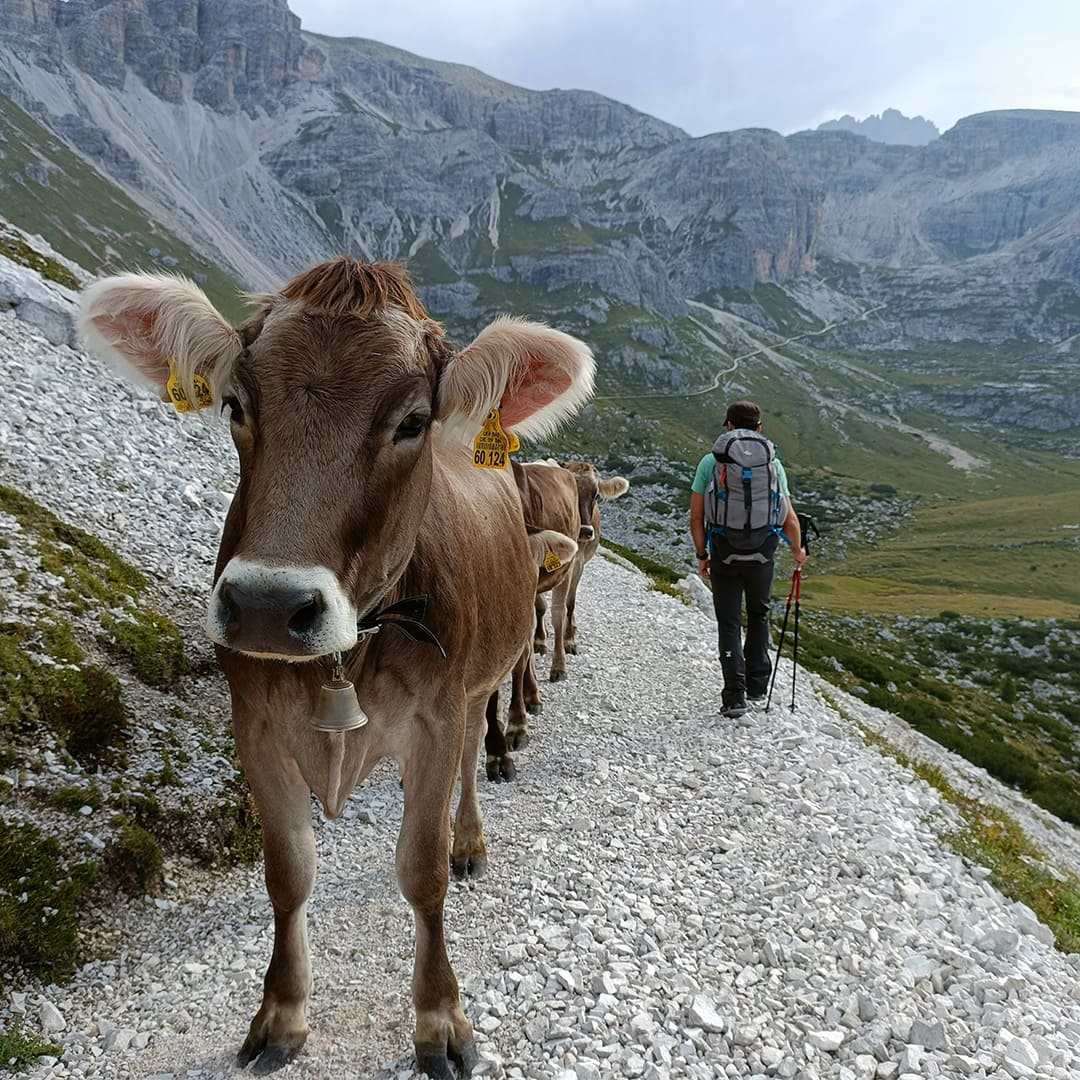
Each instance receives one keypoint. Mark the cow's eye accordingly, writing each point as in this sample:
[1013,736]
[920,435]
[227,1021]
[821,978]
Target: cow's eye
[236,410]
[412,427]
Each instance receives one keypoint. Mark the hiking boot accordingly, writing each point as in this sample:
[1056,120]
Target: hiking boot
[755,701]
[735,707]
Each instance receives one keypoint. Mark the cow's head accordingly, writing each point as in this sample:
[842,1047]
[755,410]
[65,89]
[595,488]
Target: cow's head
[591,488]
[337,391]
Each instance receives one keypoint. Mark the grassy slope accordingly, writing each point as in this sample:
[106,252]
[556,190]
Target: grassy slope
[86,217]
[989,557]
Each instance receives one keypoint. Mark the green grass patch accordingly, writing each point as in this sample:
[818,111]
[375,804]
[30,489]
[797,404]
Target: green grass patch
[89,568]
[82,707]
[133,862]
[40,902]
[662,578]
[653,567]
[1001,557]
[19,251]
[18,1050]
[1018,868]
[150,643]
[887,595]
[73,799]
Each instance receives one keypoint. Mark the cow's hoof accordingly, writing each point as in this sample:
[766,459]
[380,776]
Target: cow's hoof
[435,1061]
[268,1058]
[534,708]
[557,676]
[466,1059]
[468,868]
[518,739]
[501,768]
[540,647]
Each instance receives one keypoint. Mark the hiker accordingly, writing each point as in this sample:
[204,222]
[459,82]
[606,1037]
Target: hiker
[739,507]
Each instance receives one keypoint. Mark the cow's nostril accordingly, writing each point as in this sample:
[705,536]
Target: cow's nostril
[229,605]
[304,619]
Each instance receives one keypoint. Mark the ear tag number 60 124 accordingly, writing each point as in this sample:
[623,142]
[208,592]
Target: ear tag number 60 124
[204,398]
[493,446]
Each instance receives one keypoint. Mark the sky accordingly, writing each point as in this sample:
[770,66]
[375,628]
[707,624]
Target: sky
[717,65]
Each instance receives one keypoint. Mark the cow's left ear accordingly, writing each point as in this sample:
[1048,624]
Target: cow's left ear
[537,375]
[547,542]
[143,323]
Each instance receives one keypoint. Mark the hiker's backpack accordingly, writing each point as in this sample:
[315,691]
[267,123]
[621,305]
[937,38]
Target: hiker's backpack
[744,507]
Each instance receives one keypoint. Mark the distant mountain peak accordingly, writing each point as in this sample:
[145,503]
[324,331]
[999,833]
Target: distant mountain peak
[892,126]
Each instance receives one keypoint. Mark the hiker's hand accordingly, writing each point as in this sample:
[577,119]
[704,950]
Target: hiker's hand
[703,568]
[799,556]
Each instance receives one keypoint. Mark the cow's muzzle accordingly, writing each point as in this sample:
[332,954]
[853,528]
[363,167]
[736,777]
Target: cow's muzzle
[587,532]
[292,613]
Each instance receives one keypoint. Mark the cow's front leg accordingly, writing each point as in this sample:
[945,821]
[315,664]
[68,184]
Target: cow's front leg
[558,622]
[280,1027]
[443,1033]
[499,764]
[539,632]
[469,853]
[524,698]
[571,604]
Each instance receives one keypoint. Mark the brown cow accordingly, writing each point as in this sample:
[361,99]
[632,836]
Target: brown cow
[351,416]
[564,499]
[554,554]
[550,500]
[591,489]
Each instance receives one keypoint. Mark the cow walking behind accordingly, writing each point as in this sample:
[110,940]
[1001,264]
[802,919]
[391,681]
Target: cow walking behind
[592,487]
[351,416]
[566,500]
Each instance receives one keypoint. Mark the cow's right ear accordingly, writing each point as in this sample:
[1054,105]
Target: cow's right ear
[143,323]
[614,487]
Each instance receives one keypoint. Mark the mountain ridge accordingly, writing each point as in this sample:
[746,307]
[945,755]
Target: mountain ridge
[890,126]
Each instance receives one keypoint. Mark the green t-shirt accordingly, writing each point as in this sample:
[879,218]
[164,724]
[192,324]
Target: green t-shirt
[705,473]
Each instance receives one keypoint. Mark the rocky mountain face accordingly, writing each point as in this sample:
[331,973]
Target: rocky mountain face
[267,147]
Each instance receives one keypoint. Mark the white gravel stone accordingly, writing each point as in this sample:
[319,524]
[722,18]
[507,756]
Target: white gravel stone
[52,1019]
[703,1014]
[829,1041]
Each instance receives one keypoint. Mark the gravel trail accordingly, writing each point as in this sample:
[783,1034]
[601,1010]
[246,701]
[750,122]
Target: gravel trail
[669,894]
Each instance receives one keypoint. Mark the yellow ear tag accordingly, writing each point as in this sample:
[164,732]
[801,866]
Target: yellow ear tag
[178,396]
[492,447]
[552,562]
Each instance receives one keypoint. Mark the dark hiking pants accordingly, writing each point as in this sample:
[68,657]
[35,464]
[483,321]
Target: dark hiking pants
[746,666]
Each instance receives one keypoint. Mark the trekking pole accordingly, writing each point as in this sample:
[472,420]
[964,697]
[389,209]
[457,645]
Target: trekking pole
[797,585]
[795,577]
[809,531]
